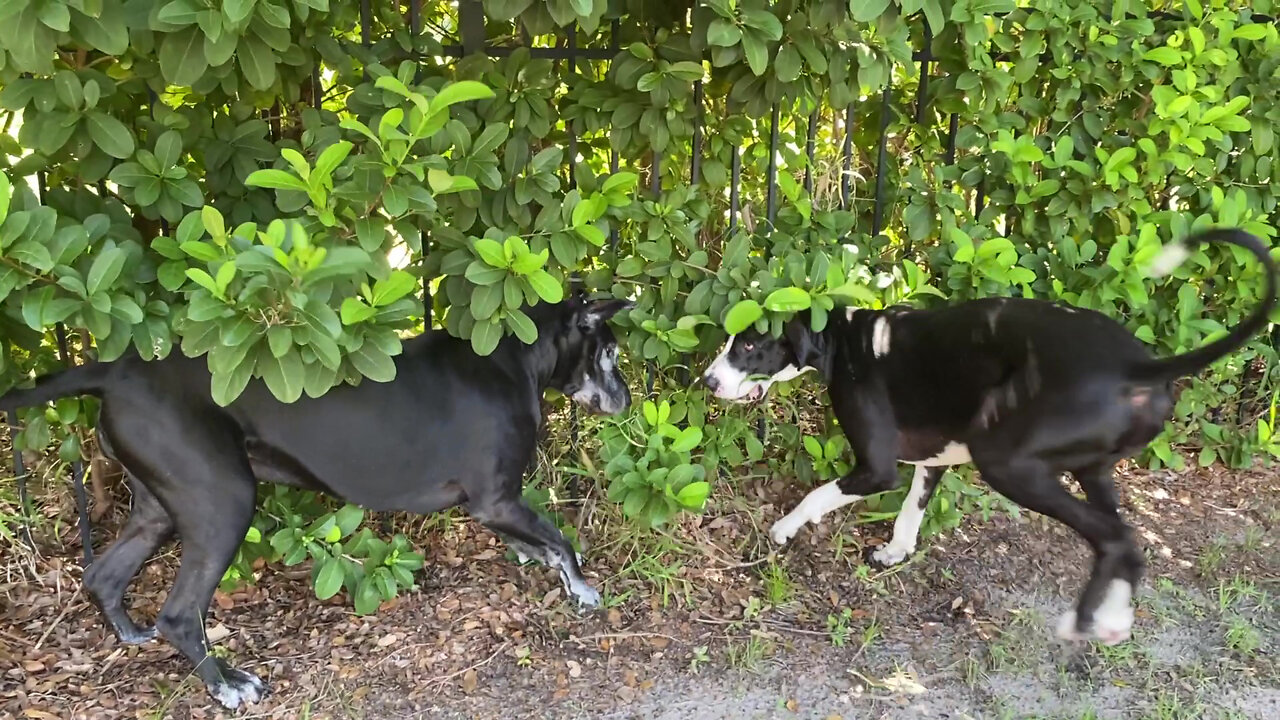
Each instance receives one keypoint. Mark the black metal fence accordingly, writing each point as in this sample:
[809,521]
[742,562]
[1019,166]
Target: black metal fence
[473,39]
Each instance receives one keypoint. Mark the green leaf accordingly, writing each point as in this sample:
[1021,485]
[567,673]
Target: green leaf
[284,376]
[398,284]
[687,440]
[789,63]
[545,286]
[276,179]
[757,53]
[257,61]
[790,299]
[6,194]
[723,33]
[182,58]
[332,157]
[105,269]
[109,134]
[485,336]
[373,363]
[354,311]
[491,252]
[522,326]
[768,24]
[460,91]
[868,10]
[1166,56]
[694,495]
[329,579]
[741,316]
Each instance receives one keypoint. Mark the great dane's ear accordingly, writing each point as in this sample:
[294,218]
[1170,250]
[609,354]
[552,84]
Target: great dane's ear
[593,313]
[810,347]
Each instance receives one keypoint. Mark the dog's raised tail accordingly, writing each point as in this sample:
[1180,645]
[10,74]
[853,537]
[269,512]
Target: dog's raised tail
[1168,369]
[81,380]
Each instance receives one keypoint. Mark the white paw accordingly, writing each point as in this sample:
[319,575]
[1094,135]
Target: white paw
[1112,621]
[889,554]
[587,596]
[786,528]
[521,558]
[238,688]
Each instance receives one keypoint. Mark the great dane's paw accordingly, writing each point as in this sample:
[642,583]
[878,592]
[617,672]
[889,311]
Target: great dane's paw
[1112,621]
[238,688]
[889,554]
[785,529]
[588,597]
[136,635]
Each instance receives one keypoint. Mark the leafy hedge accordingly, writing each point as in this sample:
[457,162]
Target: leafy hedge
[266,184]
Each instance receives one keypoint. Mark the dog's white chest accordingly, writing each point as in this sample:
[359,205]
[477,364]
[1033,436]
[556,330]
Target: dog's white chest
[953,454]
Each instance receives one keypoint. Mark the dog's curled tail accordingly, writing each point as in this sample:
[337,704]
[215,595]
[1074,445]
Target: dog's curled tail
[81,380]
[1168,369]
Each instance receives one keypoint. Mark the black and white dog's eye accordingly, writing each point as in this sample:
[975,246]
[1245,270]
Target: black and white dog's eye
[748,347]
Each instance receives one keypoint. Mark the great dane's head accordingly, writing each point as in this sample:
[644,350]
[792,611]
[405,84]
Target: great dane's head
[587,356]
[752,361]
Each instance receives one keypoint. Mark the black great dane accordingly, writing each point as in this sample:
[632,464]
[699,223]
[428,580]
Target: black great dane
[1023,389]
[451,429]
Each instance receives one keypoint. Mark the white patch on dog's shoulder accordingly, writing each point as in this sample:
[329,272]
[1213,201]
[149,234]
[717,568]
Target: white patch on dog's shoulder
[849,313]
[953,454]
[880,337]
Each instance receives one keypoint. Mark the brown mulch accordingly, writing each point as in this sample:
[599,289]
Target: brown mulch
[486,638]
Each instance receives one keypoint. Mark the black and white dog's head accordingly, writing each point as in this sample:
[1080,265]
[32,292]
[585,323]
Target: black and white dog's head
[587,357]
[751,361]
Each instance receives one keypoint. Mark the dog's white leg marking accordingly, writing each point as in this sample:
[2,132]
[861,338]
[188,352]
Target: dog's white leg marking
[574,584]
[239,688]
[1112,621]
[817,503]
[880,337]
[906,528]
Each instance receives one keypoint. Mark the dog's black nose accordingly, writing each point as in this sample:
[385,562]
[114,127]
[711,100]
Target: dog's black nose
[712,382]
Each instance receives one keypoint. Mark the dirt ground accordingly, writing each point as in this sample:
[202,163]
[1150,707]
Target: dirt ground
[706,622]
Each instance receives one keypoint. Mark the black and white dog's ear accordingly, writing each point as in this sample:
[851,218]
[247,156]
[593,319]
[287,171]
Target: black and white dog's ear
[810,347]
[594,313]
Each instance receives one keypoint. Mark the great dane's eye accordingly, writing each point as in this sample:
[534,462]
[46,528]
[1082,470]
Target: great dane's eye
[748,347]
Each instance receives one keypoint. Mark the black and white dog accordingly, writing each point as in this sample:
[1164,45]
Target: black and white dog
[1023,389]
[451,429]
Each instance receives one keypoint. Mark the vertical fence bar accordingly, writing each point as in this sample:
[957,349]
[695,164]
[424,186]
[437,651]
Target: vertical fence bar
[366,30]
[695,162]
[20,475]
[735,178]
[846,174]
[471,22]
[980,200]
[77,467]
[415,27]
[771,202]
[811,137]
[877,222]
[926,56]
[953,127]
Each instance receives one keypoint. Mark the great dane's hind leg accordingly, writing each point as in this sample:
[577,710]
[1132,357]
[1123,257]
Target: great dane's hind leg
[108,578]
[1105,609]
[199,473]
[906,527]
[535,538]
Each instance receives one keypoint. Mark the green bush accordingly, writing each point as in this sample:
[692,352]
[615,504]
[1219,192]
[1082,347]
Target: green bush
[253,180]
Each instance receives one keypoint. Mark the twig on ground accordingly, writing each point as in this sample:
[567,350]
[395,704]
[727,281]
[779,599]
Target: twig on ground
[440,680]
[58,620]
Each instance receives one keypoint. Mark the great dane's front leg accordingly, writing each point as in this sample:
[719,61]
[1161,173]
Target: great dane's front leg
[868,424]
[906,527]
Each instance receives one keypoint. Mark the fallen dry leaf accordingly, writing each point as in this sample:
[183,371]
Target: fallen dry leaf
[469,681]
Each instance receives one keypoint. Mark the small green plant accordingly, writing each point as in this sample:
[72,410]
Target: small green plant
[654,475]
[1241,636]
[838,627]
[778,587]
[343,554]
[698,658]
[749,654]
